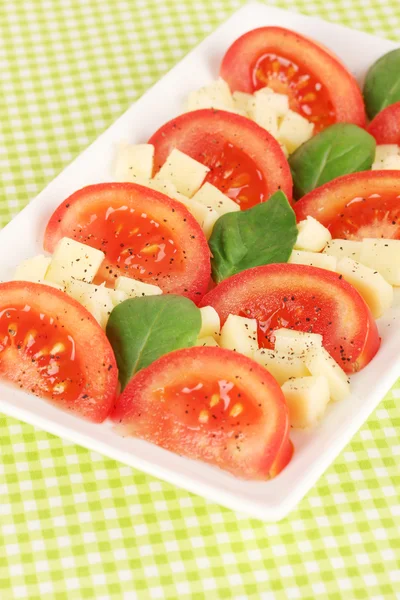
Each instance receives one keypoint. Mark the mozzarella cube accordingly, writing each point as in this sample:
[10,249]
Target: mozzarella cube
[213,198]
[32,269]
[133,288]
[290,341]
[320,362]
[207,340]
[134,162]
[343,249]
[239,334]
[294,130]
[215,95]
[243,101]
[184,172]
[383,256]
[314,259]
[281,366]
[392,163]
[384,151]
[96,299]
[73,260]
[306,398]
[375,290]
[278,103]
[210,322]
[312,236]
[264,115]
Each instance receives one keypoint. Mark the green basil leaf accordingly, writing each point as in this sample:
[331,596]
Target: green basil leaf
[338,150]
[261,235]
[142,329]
[382,83]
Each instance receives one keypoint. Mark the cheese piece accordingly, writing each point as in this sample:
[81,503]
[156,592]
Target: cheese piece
[134,162]
[290,341]
[314,259]
[313,236]
[343,249]
[213,198]
[294,130]
[210,322]
[320,362]
[95,298]
[281,366]
[134,289]
[243,101]
[383,256]
[278,103]
[239,334]
[184,172]
[32,269]
[207,340]
[391,163]
[73,260]
[215,95]
[384,151]
[375,290]
[306,398]
[264,115]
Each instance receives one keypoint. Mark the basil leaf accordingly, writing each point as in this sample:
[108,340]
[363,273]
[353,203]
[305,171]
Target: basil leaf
[258,236]
[338,150]
[142,329]
[382,83]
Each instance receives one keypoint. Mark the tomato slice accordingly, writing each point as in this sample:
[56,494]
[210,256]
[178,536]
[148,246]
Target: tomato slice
[385,127]
[213,405]
[144,235]
[246,162]
[52,347]
[319,87]
[356,206]
[302,298]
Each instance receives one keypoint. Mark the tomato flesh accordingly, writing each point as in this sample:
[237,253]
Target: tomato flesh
[144,235]
[210,404]
[49,345]
[357,206]
[305,299]
[307,95]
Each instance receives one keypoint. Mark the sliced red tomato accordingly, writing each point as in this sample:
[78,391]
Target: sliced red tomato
[318,85]
[213,405]
[144,235]
[302,298]
[246,162]
[52,347]
[385,127]
[356,206]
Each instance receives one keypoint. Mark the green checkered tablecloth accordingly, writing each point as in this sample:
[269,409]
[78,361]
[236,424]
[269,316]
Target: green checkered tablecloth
[75,525]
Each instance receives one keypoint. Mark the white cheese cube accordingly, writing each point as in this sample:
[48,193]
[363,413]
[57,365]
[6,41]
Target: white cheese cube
[210,322]
[133,288]
[73,260]
[375,290]
[96,299]
[294,130]
[281,366]
[243,101]
[383,256]
[313,236]
[384,151]
[306,398]
[314,259]
[278,103]
[290,341]
[263,114]
[184,172]
[343,249]
[134,162]
[239,334]
[32,269]
[320,362]
[213,198]
[207,340]
[215,95]
[392,163]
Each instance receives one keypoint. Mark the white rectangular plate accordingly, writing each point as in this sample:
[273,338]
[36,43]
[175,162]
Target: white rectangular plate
[22,238]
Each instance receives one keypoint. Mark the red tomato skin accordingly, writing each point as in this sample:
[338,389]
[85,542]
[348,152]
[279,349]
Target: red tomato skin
[184,131]
[326,202]
[135,415]
[385,127]
[257,285]
[344,92]
[63,222]
[101,369]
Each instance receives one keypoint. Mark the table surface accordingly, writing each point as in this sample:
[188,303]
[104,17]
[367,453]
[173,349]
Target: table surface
[74,524]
